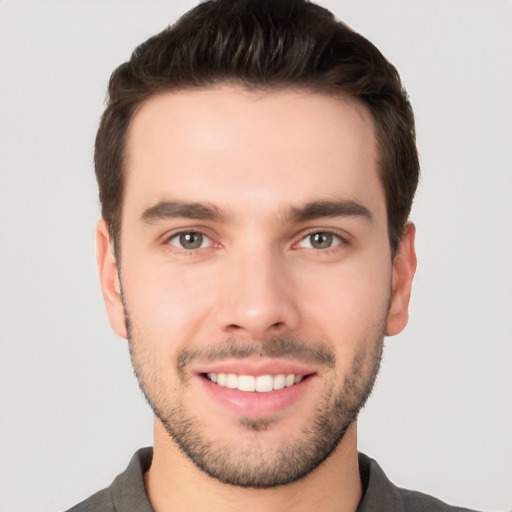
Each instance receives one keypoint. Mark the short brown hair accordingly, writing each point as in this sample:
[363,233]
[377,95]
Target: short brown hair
[262,44]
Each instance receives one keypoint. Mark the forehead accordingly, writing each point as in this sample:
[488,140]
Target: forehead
[235,147]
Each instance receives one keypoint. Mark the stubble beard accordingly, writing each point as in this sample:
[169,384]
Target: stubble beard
[251,463]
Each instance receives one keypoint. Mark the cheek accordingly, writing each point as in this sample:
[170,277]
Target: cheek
[347,303]
[169,303]
[342,303]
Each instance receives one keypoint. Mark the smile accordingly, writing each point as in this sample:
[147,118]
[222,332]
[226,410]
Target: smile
[258,389]
[258,384]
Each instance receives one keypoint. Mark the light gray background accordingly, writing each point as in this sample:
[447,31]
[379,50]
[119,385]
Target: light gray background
[440,419]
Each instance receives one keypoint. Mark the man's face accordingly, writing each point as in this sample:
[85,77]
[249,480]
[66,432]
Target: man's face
[256,275]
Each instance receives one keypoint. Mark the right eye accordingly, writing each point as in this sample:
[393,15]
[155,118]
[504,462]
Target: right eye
[190,240]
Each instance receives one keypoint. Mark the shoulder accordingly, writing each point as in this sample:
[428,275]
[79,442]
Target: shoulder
[419,502]
[127,493]
[98,502]
[382,495]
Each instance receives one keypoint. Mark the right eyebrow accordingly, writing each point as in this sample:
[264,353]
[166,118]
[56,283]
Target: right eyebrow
[177,209]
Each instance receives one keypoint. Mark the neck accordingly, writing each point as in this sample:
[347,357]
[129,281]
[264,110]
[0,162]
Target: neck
[174,483]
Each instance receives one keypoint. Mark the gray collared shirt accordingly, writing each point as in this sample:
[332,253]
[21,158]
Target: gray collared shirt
[128,493]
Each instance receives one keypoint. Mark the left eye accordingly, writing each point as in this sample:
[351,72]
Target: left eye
[190,240]
[320,240]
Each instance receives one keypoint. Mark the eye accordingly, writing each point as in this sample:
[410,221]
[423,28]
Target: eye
[320,240]
[190,240]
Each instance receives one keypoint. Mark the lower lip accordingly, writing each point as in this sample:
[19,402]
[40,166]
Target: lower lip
[254,404]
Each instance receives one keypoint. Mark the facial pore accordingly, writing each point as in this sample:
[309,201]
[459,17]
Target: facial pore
[250,463]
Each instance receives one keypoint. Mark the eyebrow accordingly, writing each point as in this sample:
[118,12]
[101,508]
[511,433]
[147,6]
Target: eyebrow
[337,208]
[177,209]
[205,211]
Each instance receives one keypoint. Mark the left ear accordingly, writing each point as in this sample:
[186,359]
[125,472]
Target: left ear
[404,267]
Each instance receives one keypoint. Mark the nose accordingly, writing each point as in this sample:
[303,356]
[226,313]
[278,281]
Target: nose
[257,299]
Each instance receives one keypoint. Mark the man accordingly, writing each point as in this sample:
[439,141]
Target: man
[256,165]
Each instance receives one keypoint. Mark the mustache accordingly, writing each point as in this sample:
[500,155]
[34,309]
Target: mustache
[273,347]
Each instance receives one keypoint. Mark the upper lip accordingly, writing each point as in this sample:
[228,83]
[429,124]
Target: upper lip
[256,367]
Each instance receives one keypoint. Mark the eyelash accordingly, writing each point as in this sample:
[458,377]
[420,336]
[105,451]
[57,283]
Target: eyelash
[183,250]
[340,241]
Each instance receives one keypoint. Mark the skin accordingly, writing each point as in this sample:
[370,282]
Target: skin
[256,157]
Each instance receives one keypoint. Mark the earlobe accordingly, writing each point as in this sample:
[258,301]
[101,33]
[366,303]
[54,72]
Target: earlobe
[109,279]
[404,267]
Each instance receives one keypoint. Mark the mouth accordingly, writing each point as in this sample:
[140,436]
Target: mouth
[254,383]
[258,391]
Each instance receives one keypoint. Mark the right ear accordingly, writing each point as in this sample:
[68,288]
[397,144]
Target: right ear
[109,279]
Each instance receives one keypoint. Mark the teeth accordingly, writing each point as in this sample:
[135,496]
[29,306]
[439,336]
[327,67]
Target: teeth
[264,383]
[232,381]
[246,383]
[260,384]
[289,381]
[279,381]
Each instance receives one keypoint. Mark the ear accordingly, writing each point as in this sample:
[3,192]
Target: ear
[109,279]
[404,267]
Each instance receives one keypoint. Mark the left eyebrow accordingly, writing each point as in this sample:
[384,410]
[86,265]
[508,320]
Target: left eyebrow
[318,209]
[177,209]
[205,211]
